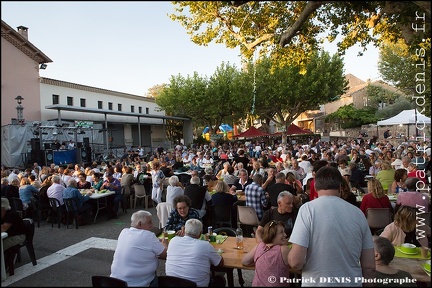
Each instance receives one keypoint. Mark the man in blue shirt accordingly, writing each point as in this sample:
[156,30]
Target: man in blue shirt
[72,192]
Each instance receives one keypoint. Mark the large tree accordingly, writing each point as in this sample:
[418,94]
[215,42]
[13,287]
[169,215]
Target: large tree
[284,91]
[302,25]
[209,101]
[409,70]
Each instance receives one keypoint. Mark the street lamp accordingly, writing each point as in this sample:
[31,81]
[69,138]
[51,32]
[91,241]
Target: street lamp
[20,109]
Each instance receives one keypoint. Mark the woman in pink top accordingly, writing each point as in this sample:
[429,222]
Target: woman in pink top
[376,197]
[270,256]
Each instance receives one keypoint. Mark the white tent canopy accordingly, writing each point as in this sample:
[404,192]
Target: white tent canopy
[406,117]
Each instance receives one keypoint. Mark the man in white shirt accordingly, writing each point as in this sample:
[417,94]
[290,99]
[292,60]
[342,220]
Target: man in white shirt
[136,256]
[190,258]
[56,189]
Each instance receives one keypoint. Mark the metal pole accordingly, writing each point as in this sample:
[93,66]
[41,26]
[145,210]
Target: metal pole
[106,133]
[139,132]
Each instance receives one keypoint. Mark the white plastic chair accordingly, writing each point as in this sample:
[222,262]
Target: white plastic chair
[163,210]
[140,192]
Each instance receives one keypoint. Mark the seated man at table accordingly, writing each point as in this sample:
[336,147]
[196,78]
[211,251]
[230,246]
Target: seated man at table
[190,258]
[384,254]
[84,208]
[280,185]
[284,213]
[136,256]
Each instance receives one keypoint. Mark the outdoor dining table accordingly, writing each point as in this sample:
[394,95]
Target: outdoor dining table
[233,258]
[413,265]
[97,196]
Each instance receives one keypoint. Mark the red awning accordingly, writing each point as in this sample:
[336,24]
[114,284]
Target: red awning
[293,130]
[251,133]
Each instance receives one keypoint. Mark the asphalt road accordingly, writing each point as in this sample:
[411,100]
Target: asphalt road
[69,257]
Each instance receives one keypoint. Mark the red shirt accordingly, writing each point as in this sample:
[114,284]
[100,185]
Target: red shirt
[313,193]
[369,201]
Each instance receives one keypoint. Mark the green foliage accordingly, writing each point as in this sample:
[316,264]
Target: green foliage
[350,117]
[392,110]
[409,69]
[284,91]
[378,94]
[302,25]
[207,101]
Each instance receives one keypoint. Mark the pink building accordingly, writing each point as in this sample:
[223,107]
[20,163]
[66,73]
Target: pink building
[20,64]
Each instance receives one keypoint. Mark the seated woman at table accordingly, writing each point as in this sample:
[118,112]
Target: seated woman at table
[384,254]
[386,175]
[406,229]
[398,184]
[97,182]
[376,197]
[82,181]
[270,256]
[183,211]
[346,193]
[113,184]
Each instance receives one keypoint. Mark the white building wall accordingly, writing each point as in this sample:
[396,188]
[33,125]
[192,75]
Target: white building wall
[91,99]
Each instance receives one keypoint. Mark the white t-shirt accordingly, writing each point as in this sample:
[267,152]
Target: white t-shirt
[335,232]
[191,258]
[172,192]
[136,257]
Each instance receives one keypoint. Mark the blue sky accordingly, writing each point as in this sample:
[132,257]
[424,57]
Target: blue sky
[129,46]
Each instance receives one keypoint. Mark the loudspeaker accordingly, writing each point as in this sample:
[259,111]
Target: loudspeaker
[85,154]
[35,144]
[86,141]
[37,156]
[47,146]
[49,157]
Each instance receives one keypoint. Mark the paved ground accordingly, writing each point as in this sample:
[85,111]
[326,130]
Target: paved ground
[69,257]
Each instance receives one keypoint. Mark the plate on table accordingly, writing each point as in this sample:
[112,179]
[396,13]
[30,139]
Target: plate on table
[426,268]
[102,191]
[408,253]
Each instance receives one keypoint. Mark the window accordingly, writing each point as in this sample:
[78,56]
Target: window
[70,101]
[140,110]
[132,108]
[83,102]
[110,106]
[119,106]
[55,99]
[100,105]
[147,110]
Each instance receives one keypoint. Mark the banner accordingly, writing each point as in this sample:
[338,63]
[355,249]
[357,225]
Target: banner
[65,157]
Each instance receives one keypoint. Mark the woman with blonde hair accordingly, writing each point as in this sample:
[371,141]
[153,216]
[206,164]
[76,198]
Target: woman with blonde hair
[270,256]
[386,175]
[405,228]
[376,197]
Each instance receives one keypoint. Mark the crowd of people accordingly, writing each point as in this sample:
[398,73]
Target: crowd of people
[290,186]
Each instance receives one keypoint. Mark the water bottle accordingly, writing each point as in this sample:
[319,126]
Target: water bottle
[239,238]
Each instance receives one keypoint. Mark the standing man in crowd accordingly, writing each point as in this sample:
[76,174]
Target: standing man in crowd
[331,229]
